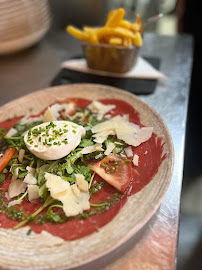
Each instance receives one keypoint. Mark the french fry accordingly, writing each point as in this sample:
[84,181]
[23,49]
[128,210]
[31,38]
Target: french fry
[117,31]
[138,39]
[88,29]
[92,32]
[93,38]
[77,33]
[137,27]
[127,42]
[115,16]
[115,41]
[125,24]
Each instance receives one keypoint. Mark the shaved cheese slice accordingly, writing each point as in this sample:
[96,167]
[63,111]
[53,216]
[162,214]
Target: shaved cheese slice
[33,192]
[100,139]
[100,108]
[75,190]
[144,134]
[11,132]
[104,133]
[110,148]
[135,160]
[55,184]
[27,120]
[16,187]
[21,155]
[73,204]
[129,151]
[129,132]
[68,107]
[98,156]
[52,113]
[81,182]
[30,179]
[31,170]
[107,125]
[14,202]
[107,116]
[92,148]
[15,175]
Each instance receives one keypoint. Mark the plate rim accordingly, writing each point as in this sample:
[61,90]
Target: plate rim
[172,158]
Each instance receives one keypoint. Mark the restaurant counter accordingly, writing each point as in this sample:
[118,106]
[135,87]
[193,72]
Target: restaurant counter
[155,245]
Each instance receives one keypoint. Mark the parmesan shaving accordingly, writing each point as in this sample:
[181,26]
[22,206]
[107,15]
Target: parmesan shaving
[81,182]
[21,155]
[129,152]
[100,108]
[75,190]
[135,160]
[55,184]
[129,132]
[110,148]
[52,113]
[92,148]
[14,202]
[27,120]
[73,202]
[15,175]
[29,178]
[33,192]
[16,187]
[68,107]
[11,132]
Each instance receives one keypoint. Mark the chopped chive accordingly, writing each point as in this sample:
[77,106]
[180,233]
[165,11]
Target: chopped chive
[104,165]
[29,232]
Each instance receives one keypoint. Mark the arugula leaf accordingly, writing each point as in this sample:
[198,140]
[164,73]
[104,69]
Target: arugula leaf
[41,179]
[21,128]
[85,170]
[86,142]
[43,192]
[48,202]
[54,216]
[2,177]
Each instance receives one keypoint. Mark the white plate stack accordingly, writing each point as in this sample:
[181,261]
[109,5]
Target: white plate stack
[22,23]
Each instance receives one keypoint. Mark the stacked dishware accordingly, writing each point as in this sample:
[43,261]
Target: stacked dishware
[22,23]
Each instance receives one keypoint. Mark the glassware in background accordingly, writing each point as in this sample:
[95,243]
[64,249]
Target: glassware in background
[22,24]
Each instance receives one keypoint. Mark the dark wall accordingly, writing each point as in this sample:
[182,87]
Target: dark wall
[78,12]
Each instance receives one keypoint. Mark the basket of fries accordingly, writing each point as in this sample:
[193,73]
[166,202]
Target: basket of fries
[113,47]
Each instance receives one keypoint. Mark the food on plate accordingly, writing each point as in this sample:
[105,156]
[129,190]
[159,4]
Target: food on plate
[70,169]
[116,32]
